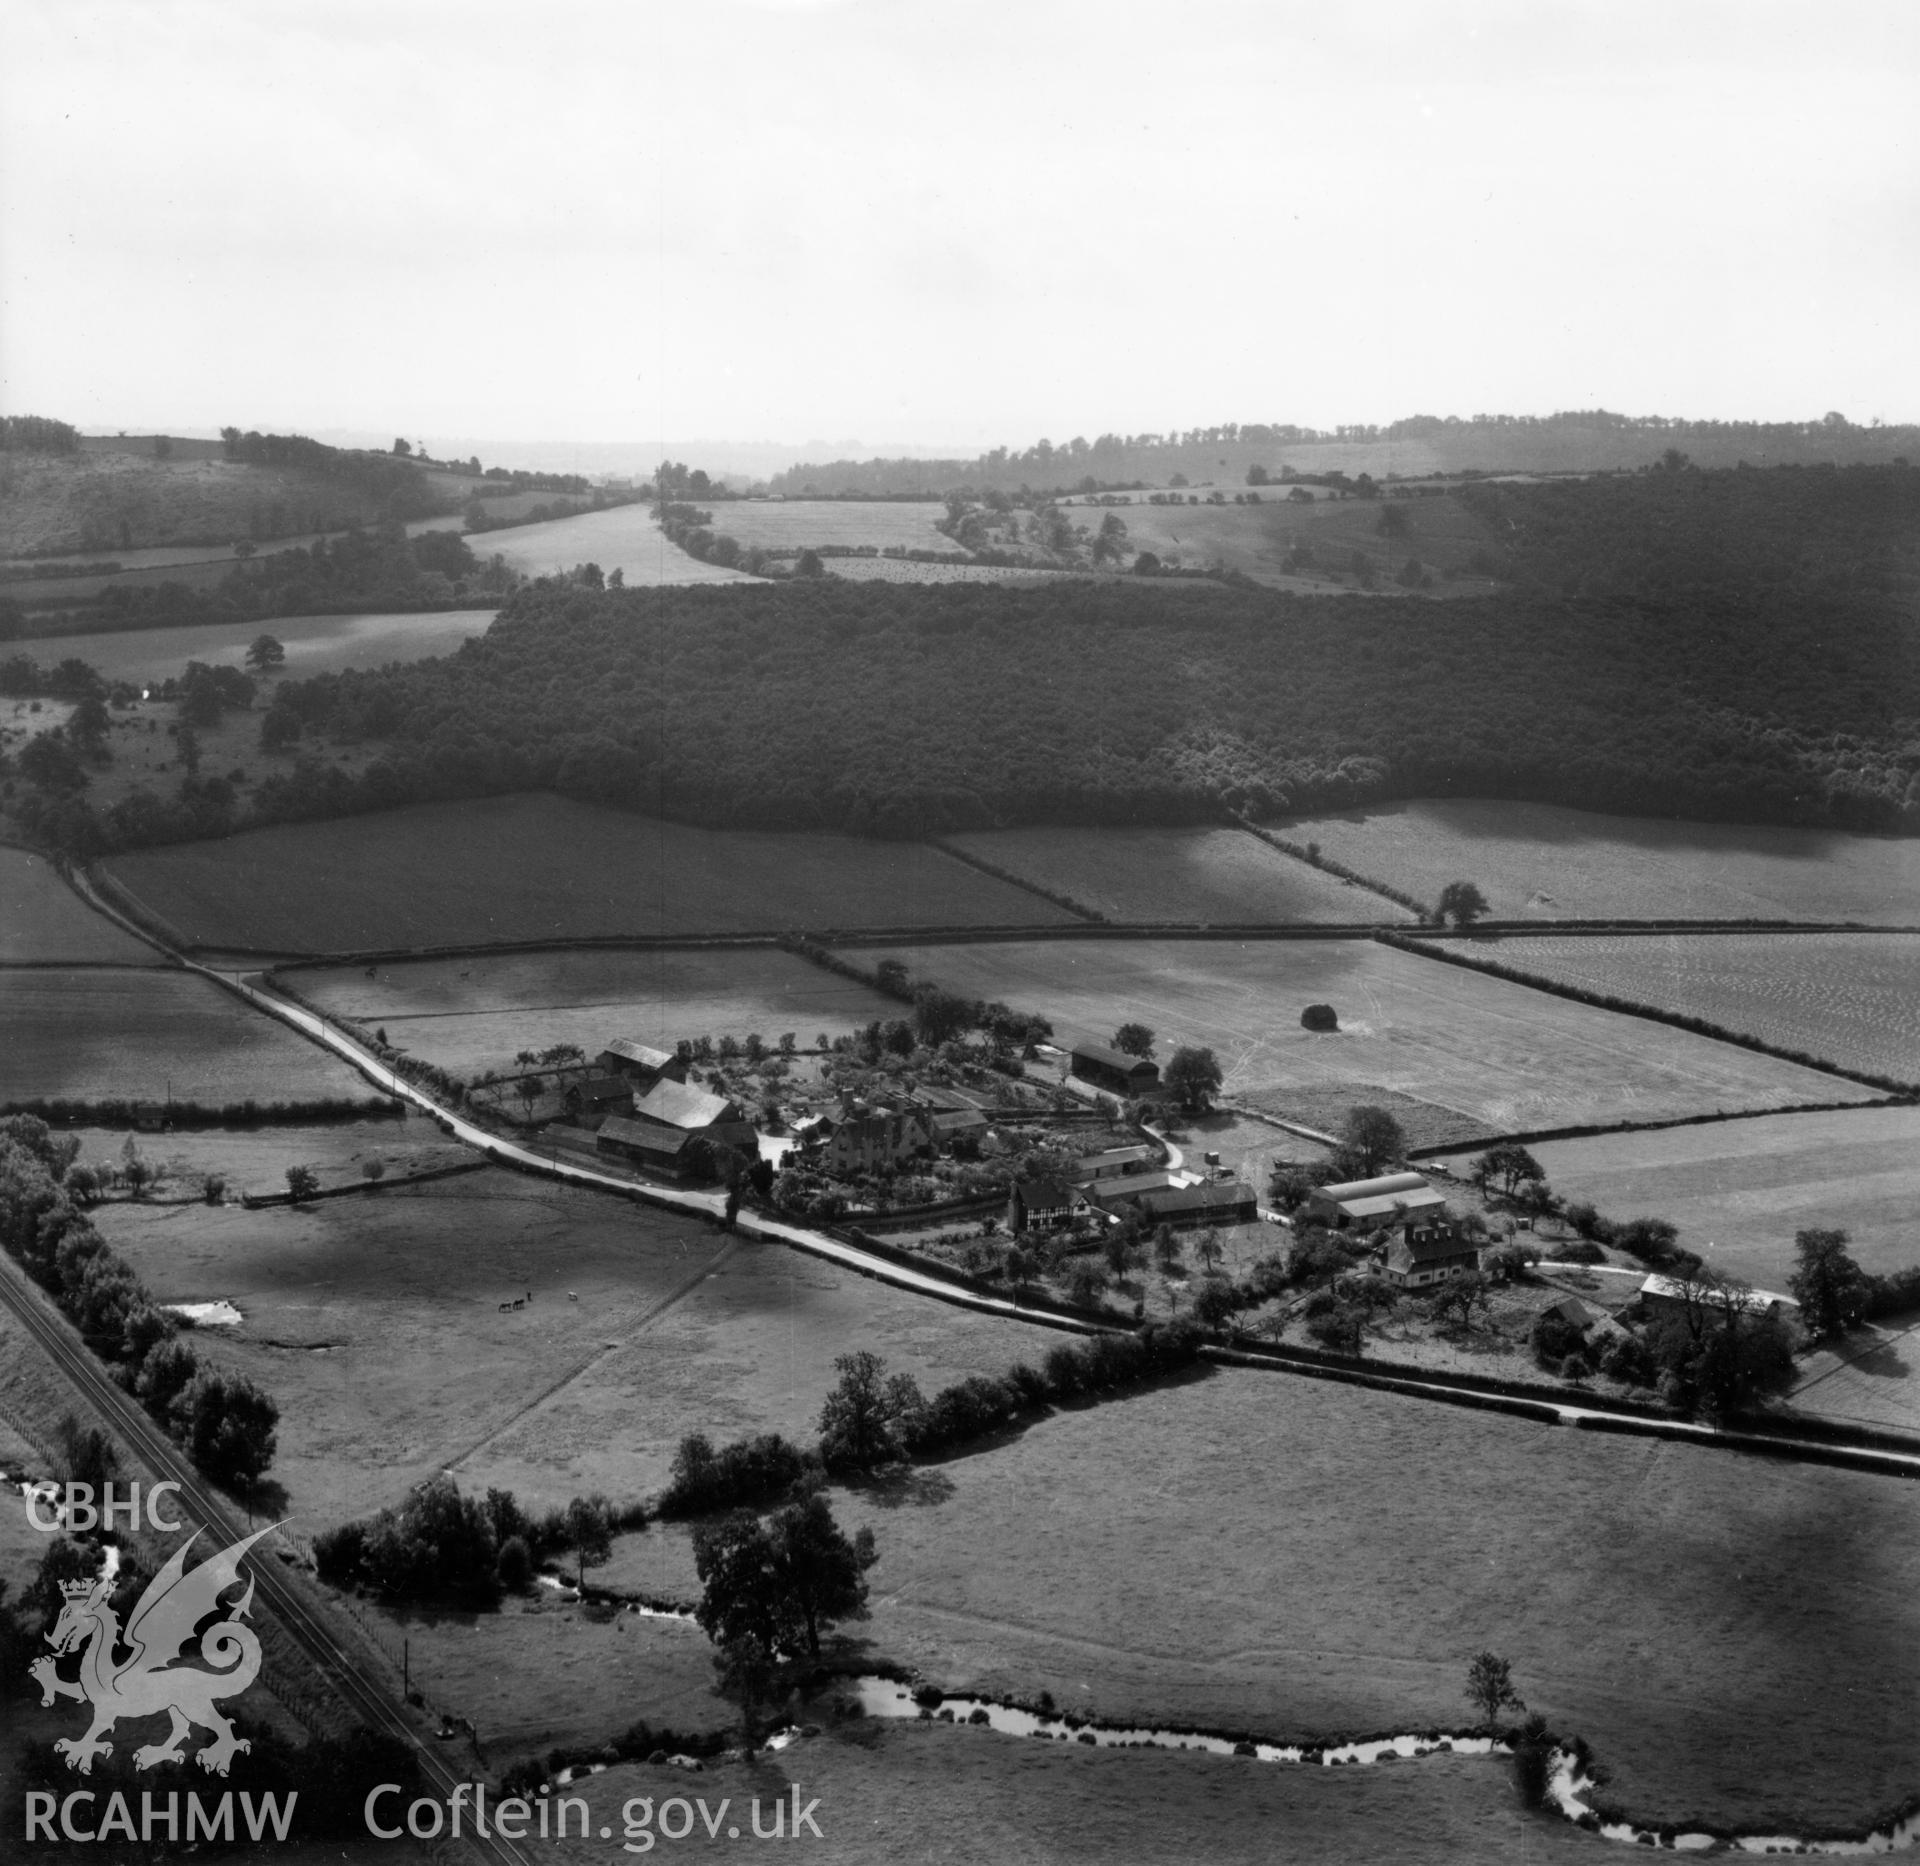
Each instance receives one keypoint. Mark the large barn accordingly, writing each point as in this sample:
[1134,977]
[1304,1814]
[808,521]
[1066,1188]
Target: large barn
[1114,1070]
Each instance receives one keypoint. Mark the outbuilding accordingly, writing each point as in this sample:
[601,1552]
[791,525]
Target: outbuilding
[1114,1070]
[641,1064]
[1366,1204]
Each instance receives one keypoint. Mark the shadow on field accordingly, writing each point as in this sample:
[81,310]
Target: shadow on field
[905,1487]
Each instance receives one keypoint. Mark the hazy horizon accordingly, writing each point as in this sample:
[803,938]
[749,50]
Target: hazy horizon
[929,232]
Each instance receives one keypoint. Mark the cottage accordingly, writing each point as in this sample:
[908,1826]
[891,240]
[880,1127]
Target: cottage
[1039,1204]
[641,1064]
[1423,1255]
[1367,1204]
[869,1141]
[1114,1070]
[641,1143]
[679,1108]
[597,1096]
[1115,1163]
[1213,1202]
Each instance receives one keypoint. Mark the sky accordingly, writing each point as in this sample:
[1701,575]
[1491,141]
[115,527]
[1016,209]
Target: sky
[895,222]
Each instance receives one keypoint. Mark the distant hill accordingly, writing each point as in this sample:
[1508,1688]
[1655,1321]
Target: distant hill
[1416,448]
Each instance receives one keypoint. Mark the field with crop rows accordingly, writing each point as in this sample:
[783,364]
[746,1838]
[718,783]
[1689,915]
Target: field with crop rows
[43,920]
[1200,877]
[1852,999]
[622,538]
[1536,861]
[1511,1058]
[796,524]
[542,868]
[106,1033]
[477,1013]
[314,644]
[1739,1190]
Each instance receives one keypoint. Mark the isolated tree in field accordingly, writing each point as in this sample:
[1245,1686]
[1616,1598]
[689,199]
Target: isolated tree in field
[302,1183]
[589,1534]
[266,654]
[1461,902]
[1193,1074]
[1490,1688]
[1133,1040]
[820,1569]
[1372,1138]
[1829,1286]
[1505,1168]
[864,1414]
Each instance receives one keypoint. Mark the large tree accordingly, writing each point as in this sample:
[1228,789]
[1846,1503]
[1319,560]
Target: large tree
[1507,1166]
[1829,1286]
[1462,903]
[1490,1687]
[1373,1139]
[1133,1040]
[1193,1074]
[590,1527]
[861,1421]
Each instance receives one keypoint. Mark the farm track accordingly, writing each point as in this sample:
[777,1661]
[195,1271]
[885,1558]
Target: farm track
[351,1675]
[1408,1383]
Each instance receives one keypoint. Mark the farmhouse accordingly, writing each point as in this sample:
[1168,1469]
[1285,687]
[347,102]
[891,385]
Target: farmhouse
[1115,1163]
[1369,1203]
[864,1143]
[1426,1254]
[1112,1069]
[1039,1204]
[640,1064]
[677,1108]
[658,1149]
[1214,1202]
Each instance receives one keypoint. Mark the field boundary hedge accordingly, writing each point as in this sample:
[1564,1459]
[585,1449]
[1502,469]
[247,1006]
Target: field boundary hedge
[190,1114]
[145,919]
[1301,852]
[1677,1020]
[257,1201]
[1064,901]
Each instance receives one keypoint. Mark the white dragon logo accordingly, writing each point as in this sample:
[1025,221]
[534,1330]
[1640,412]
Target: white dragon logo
[146,1681]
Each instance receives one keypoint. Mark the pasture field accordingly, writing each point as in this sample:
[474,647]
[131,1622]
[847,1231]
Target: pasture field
[1739,1190]
[890,1792]
[1200,877]
[1510,1059]
[1734,1650]
[375,1321]
[800,524]
[542,868]
[1536,861]
[1869,1379]
[621,538]
[473,1014]
[906,570]
[1848,998]
[314,644]
[143,1033]
[42,920]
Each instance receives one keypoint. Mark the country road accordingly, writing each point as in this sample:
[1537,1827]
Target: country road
[349,1674]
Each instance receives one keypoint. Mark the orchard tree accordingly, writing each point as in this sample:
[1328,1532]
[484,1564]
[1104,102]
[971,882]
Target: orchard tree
[1193,1074]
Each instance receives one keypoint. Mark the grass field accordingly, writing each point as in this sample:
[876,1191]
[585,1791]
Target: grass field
[375,1322]
[314,644]
[1509,1058]
[905,570]
[1739,1190]
[1535,861]
[797,524]
[623,538]
[140,1032]
[1872,1378]
[42,919]
[1848,998]
[1201,877]
[469,1014]
[539,867]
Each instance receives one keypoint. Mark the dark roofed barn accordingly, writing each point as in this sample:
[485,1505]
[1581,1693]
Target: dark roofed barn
[1114,1070]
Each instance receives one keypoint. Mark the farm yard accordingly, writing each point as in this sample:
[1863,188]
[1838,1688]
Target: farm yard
[43,921]
[139,1032]
[478,1013]
[623,538]
[1680,1637]
[1739,1190]
[1536,861]
[1509,1058]
[538,867]
[314,644]
[1850,999]
[1199,877]
[377,1324]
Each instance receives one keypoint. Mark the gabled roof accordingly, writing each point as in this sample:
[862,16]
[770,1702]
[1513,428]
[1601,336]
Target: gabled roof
[957,1120]
[602,1088]
[1210,1196]
[680,1104]
[1044,1194]
[641,1053]
[1377,1198]
[1128,1185]
[1090,1165]
[1425,1247]
[618,1130]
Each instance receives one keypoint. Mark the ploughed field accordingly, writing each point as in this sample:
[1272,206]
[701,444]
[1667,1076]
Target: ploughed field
[1199,877]
[143,1033]
[375,1321]
[1739,1190]
[1536,861]
[1852,999]
[478,1013]
[504,869]
[42,920]
[314,644]
[1256,1551]
[1508,1058]
[623,538]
